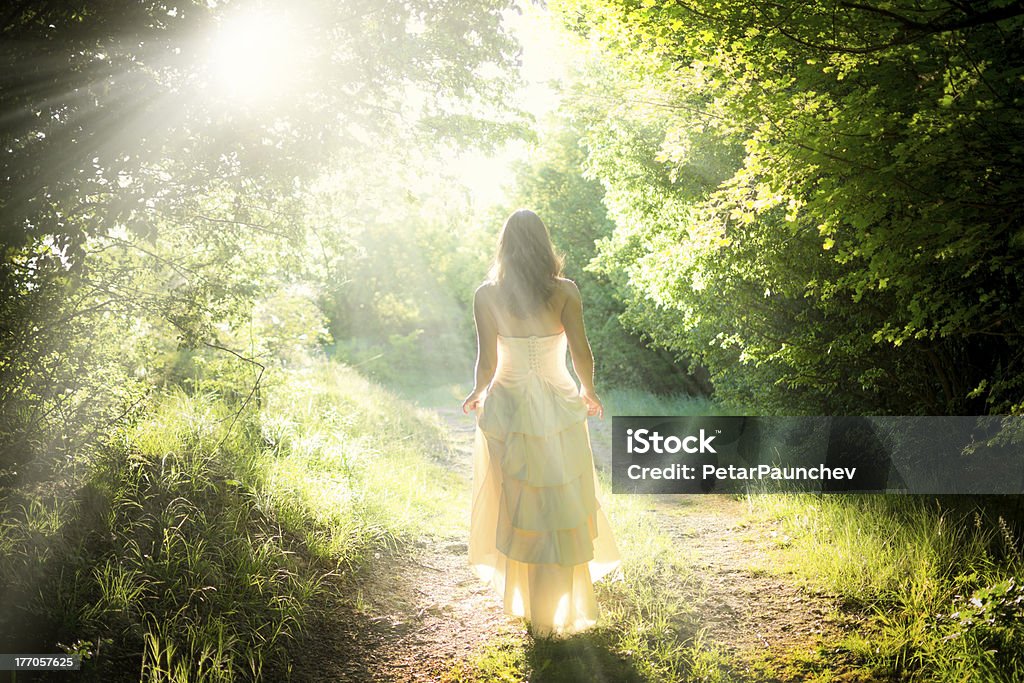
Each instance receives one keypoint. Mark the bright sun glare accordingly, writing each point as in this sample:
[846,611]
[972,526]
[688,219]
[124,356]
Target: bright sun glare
[256,54]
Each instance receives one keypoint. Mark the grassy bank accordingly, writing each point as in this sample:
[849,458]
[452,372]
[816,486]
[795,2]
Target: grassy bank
[183,550]
[939,579]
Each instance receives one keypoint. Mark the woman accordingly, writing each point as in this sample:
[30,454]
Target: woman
[537,534]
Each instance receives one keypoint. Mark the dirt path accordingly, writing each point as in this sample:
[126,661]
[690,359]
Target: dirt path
[754,614]
[414,614]
[418,614]
[414,617]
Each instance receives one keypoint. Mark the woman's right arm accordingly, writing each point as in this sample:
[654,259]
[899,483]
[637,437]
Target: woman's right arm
[579,348]
[486,350]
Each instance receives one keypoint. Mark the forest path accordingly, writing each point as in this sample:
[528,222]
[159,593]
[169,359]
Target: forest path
[764,620]
[415,612]
[418,613]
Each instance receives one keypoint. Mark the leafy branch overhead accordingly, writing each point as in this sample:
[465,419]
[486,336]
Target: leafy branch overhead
[818,200]
[165,165]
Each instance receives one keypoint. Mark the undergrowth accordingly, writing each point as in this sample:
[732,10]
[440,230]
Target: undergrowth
[194,546]
[940,579]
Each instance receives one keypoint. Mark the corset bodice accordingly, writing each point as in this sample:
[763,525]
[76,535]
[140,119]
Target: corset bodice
[544,356]
[532,391]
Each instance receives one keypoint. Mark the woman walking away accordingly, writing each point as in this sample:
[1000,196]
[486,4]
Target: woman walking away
[538,535]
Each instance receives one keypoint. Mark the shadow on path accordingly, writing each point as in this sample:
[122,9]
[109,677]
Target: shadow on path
[585,657]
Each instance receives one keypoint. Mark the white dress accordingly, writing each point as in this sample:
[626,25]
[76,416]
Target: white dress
[537,532]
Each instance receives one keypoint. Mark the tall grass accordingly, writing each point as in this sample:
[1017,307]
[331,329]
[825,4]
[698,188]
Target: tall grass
[193,553]
[351,466]
[164,553]
[942,586]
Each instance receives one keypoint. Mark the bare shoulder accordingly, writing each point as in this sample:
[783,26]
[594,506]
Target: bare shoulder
[485,292]
[567,287]
[568,290]
[572,312]
[484,304]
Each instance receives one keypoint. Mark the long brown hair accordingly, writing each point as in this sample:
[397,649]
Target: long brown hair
[526,265]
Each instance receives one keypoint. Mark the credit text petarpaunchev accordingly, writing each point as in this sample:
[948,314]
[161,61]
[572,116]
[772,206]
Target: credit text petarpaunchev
[732,472]
[957,454]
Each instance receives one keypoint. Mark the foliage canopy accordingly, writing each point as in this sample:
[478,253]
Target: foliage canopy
[818,200]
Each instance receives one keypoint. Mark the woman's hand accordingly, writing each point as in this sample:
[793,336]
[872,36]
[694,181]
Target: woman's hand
[594,405]
[472,401]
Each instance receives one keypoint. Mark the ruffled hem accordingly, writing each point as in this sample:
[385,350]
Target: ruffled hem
[555,600]
[543,575]
[538,509]
[566,547]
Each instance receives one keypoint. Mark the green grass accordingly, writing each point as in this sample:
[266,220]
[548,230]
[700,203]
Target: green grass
[163,558]
[190,553]
[941,586]
[637,402]
[352,467]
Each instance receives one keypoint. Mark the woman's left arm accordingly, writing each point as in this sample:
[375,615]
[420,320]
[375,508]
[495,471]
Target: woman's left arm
[486,349]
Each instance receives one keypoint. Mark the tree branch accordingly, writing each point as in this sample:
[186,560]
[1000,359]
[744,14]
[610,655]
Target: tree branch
[970,20]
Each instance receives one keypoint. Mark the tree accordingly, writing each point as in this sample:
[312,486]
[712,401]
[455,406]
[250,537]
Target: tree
[142,192]
[853,242]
